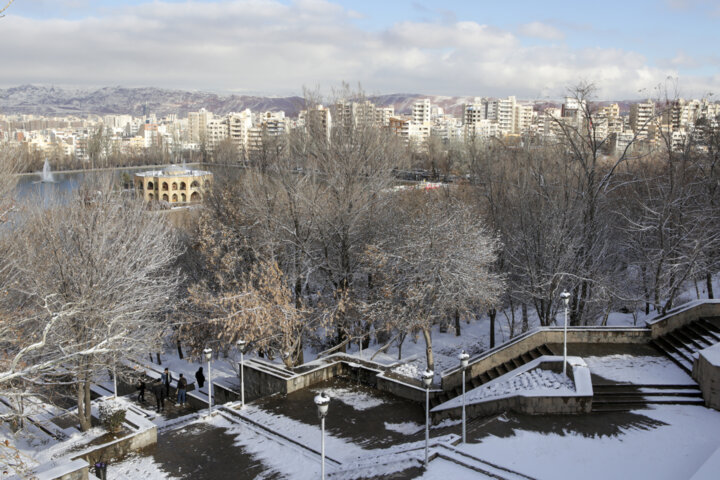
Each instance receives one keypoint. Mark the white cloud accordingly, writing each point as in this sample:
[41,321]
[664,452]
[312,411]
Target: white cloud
[276,48]
[540,30]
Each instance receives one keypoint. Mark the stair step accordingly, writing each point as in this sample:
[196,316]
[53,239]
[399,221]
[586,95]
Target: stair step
[667,349]
[703,334]
[689,339]
[708,329]
[678,344]
[544,350]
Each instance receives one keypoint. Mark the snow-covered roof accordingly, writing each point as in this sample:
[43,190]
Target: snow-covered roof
[174,171]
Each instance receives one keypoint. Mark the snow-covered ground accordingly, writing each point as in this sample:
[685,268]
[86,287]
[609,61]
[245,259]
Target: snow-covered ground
[647,370]
[681,440]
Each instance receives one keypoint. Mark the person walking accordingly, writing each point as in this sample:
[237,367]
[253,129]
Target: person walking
[141,391]
[200,377]
[181,390]
[166,378]
[158,389]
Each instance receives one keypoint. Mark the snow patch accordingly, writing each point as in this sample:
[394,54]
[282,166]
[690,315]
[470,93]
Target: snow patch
[405,428]
[357,400]
[648,370]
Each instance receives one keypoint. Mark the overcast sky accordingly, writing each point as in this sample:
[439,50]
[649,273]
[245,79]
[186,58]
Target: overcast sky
[533,49]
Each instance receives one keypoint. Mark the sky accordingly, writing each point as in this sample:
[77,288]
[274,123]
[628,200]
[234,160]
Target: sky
[532,49]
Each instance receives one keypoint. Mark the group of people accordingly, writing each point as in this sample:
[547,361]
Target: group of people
[161,388]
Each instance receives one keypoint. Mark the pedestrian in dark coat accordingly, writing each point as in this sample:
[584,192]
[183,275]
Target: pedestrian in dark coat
[158,389]
[166,378]
[181,389]
[141,391]
[200,377]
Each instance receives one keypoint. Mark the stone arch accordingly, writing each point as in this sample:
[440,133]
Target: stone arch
[195,197]
[151,196]
[174,185]
[183,197]
[195,184]
[164,185]
[165,197]
[150,186]
[183,186]
[207,183]
[174,197]
[140,186]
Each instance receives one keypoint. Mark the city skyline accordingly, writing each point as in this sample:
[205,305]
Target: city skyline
[451,48]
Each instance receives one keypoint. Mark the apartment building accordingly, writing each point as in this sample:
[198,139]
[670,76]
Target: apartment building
[642,119]
[197,125]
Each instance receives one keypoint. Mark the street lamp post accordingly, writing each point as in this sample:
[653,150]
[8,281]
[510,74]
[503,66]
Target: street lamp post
[241,346]
[463,357]
[322,401]
[427,378]
[566,299]
[208,357]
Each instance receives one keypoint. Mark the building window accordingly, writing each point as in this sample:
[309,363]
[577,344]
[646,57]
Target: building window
[174,185]
[150,186]
[174,197]
[195,197]
[195,184]
[151,196]
[165,197]
[183,197]
[164,186]
[183,186]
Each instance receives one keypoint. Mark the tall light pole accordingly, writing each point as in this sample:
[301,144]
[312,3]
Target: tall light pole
[427,378]
[566,299]
[208,357]
[463,357]
[322,401]
[241,346]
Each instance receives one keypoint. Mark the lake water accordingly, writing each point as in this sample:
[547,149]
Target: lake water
[30,187]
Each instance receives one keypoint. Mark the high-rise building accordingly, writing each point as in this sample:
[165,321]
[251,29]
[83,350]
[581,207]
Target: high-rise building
[197,125]
[642,116]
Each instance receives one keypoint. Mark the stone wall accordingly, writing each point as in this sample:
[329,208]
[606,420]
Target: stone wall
[531,340]
[527,402]
[72,470]
[682,315]
[706,371]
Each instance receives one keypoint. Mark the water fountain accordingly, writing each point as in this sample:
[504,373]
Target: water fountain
[46,176]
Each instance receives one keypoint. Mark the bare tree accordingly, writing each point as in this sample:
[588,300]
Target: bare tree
[437,259]
[91,277]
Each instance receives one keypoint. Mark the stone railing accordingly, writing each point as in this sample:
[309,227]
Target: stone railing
[535,338]
[682,315]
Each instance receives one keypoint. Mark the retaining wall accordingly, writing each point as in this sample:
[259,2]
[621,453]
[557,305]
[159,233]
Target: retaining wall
[682,315]
[523,344]
[71,470]
[706,371]
[529,402]
[144,434]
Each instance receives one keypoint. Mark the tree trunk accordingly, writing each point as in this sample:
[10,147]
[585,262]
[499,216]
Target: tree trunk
[157,354]
[180,352]
[83,404]
[492,313]
[300,354]
[525,322]
[457,322]
[428,349]
[708,282]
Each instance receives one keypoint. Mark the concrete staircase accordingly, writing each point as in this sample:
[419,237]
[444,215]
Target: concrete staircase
[683,344]
[492,374]
[626,397]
